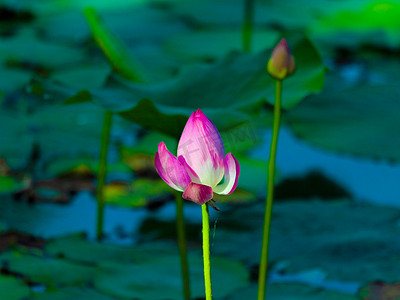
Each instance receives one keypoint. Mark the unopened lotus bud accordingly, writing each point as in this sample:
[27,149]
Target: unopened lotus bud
[201,166]
[281,64]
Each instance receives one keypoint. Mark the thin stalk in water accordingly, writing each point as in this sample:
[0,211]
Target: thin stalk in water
[247,27]
[101,175]
[262,276]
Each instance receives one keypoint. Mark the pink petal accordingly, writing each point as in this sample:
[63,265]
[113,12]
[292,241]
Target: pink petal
[232,171]
[170,169]
[189,170]
[202,147]
[198,193]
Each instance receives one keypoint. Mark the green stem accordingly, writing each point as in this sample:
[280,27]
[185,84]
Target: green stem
[206,250]
[101,175]
[180,224]
[247,27]
[262,276]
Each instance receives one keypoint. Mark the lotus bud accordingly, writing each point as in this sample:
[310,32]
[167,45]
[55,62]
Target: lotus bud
[201,167]
[281,64]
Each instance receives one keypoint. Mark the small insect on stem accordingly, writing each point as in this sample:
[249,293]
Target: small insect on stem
[211,203]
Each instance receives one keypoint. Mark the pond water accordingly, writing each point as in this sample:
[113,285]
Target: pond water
[365,179]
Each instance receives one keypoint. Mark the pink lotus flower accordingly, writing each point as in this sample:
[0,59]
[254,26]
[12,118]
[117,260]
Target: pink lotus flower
[201,163]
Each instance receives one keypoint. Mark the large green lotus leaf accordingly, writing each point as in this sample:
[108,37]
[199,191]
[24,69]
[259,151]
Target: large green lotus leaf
[83,77]
[291,291]
[241,80]
[77,248]
[75,293]
[25,47]
[76,132]
[216,44]
[236,88]
[368,254]
[159,64]
[169,119]
[359,121]
[47,270]
[160,278]
[56,131]
[15,144]
[12,288]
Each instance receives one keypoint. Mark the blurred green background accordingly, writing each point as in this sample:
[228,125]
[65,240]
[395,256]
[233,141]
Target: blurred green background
[152,63]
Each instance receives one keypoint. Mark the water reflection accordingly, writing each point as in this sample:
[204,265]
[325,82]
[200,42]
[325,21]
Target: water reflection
[49,220]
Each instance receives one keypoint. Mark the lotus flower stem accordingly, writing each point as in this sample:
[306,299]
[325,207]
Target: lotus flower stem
[247,27]
[206,250]
[180,224]
[262,276]
[101,175]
